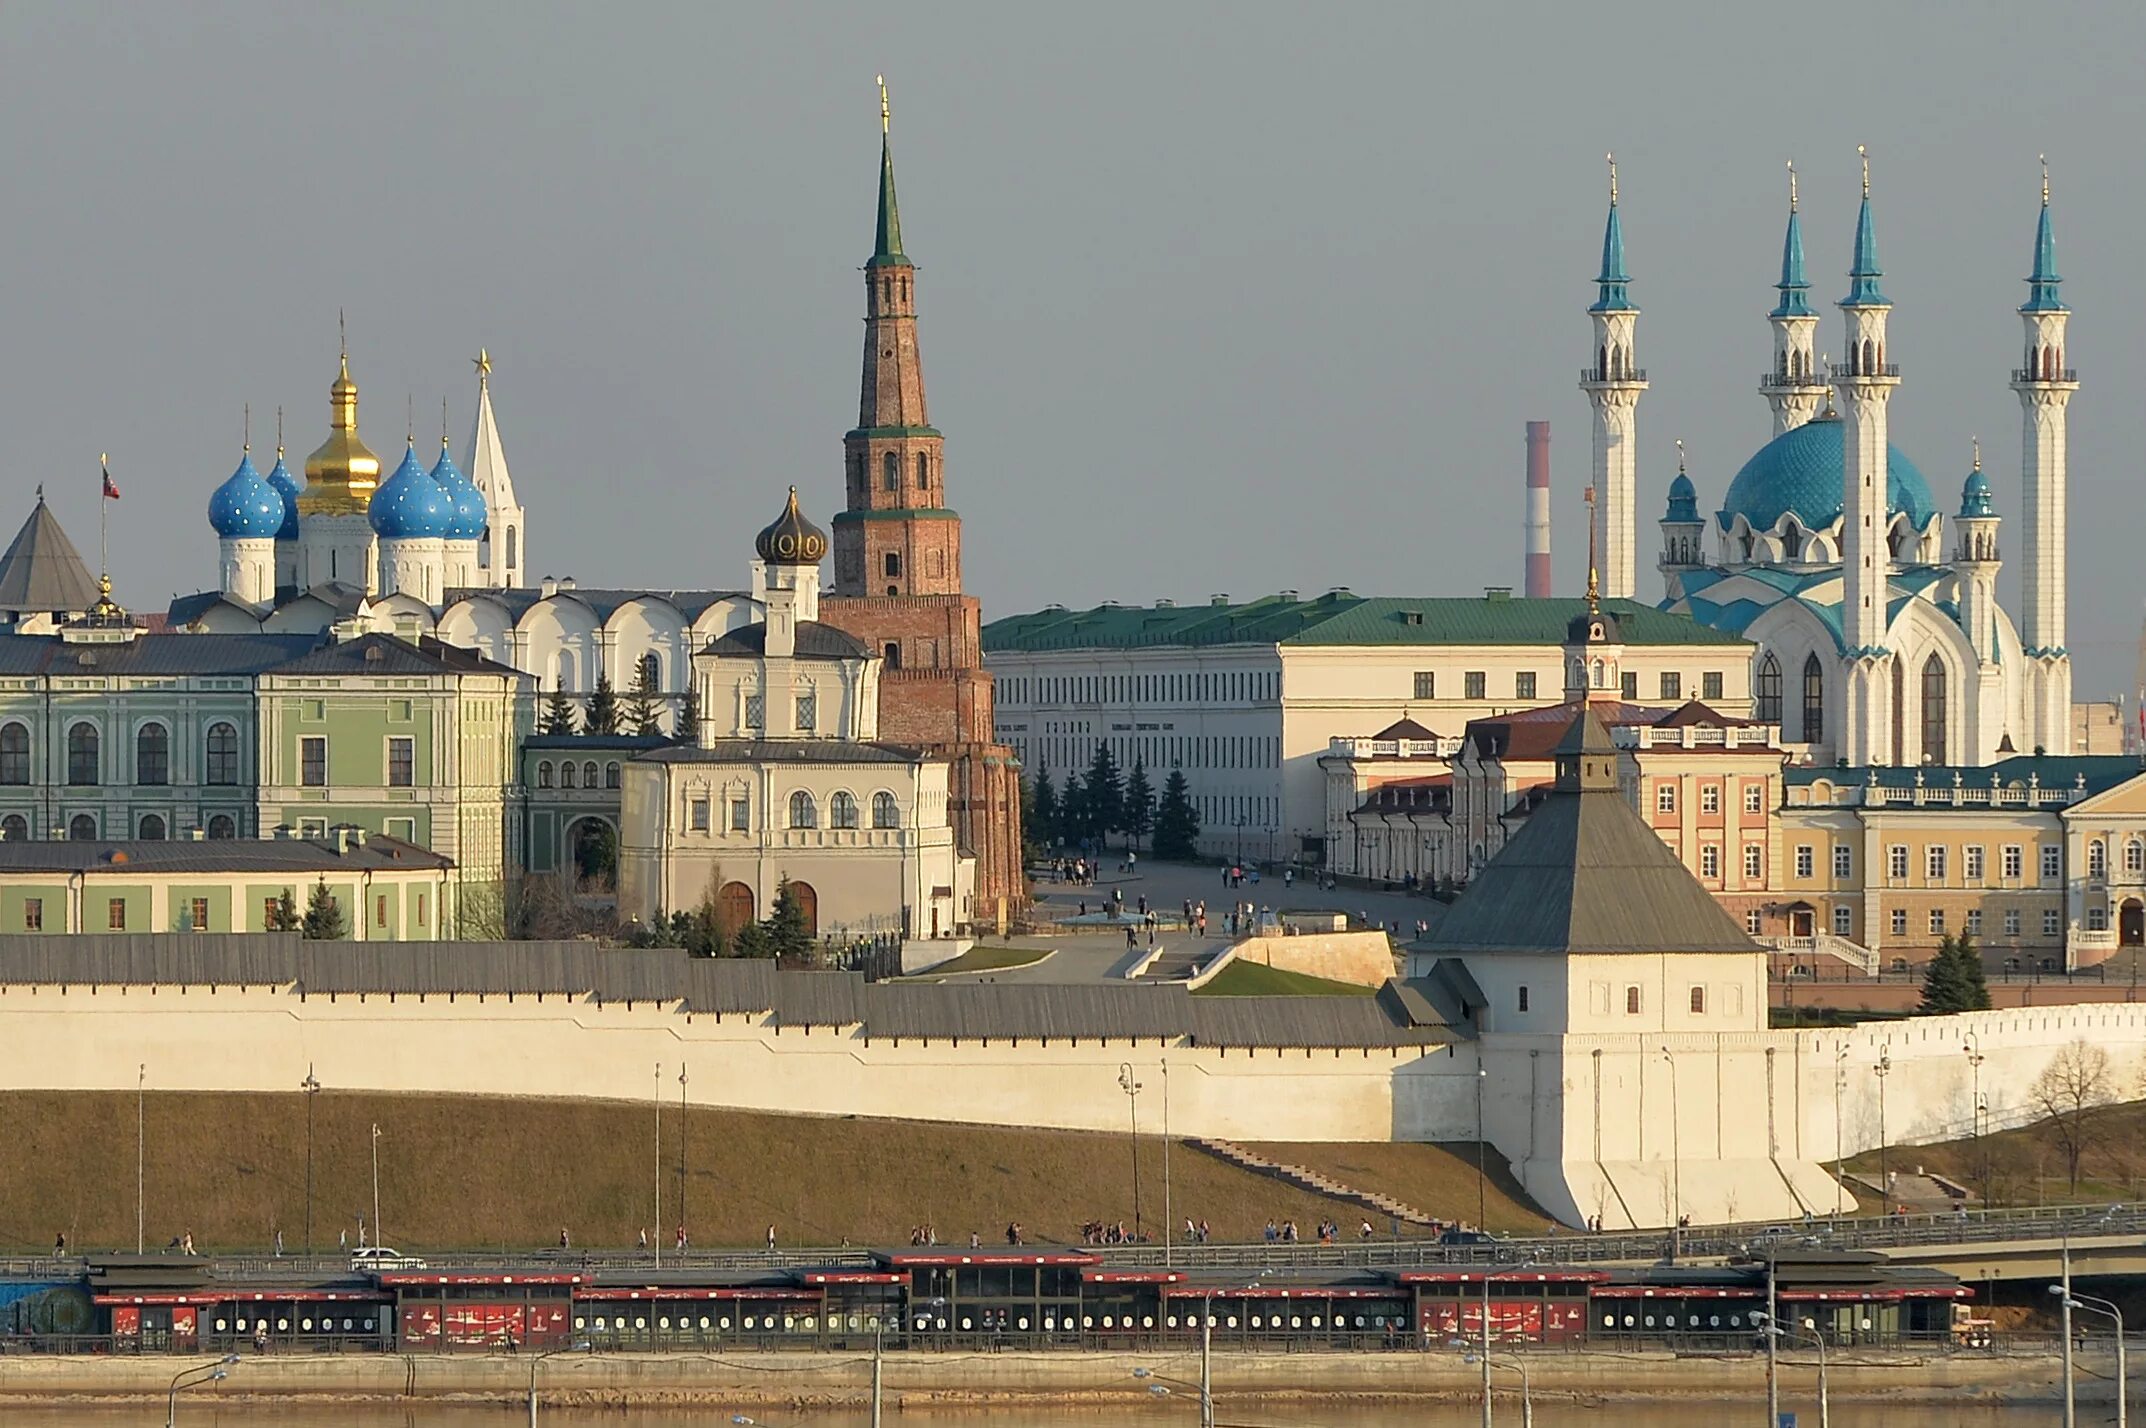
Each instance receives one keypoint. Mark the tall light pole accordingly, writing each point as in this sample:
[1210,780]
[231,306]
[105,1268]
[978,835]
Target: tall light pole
[1168,1213]
[1884,1068]
[1676,1161]
[1973,1048]
[1527,1391]
[311,1087]
[1131,1088]
[141,1142]
[1840,1084]
[538,1362]
[1482,1200]
[191,1377]
[656,1154]
[378,1238]
[1773,1331]
[683,1111]
[2109,1311]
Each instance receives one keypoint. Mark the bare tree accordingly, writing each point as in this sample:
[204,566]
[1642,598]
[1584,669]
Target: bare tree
[2071,1093]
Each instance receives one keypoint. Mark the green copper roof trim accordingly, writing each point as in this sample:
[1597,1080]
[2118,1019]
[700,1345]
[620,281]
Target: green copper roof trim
[890,433]
[887,243]
[924,513]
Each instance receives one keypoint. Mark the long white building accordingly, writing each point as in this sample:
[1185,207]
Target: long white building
[1244,698]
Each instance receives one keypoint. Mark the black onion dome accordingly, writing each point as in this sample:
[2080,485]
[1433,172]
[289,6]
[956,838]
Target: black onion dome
[792,540]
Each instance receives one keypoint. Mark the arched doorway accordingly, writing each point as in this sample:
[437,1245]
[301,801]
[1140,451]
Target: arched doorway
[1802,920]
[595,845]
[808,904]
[2131,923]
[733,906]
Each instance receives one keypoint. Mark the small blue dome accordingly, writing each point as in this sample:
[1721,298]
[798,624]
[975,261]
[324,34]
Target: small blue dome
[279,476]
[1975,495]
[1683,500]
[410,505]
[246,507]
[1799,473]
[470,515]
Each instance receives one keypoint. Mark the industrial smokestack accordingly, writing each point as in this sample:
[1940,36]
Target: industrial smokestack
[1536,525]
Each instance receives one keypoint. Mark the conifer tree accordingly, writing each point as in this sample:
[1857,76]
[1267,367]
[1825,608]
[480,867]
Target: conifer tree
[603,707]
[558,714]
[687,729]
[1952,981]
[1978,987]
[1041,809]
[1103,793]
[283,913]
[1177,823]
[324,915]
[643,712]
[787,935]
[1139,815]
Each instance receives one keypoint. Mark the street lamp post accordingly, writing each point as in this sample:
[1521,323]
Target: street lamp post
[1973,1048]
[1676,1162]
[538,1362]
[190,1377]
[684,1110]
[656,1177]
[141,1143]
[1773,1331]
[1884,1069]
[1482,1073]
[2076,1301]
[311,1087]
[1169,1212]
[1527,1391]
[1131,1088]
[378,1238]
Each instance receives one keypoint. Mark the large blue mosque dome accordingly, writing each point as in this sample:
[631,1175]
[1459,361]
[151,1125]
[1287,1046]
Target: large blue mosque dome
[1799,473]
[410,505]
[246,507]
[470,516]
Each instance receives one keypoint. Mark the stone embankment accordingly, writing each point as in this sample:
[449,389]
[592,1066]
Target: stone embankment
[958,1379]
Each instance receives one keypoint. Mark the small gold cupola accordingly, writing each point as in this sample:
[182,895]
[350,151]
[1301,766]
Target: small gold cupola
[342,474]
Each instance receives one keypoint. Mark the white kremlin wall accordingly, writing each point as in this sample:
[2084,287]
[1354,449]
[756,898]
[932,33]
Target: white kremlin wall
[1594,1122]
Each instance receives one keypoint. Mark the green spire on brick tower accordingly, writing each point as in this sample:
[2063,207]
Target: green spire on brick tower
[887,248]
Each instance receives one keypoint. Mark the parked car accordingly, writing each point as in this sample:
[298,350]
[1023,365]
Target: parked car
[1458,1236]
[378,1258]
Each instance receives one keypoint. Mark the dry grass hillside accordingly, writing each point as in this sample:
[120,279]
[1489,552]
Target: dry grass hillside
[474,1171]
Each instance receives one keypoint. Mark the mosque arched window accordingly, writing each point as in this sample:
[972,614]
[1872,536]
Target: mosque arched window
[1769,691]
[842,811]
[1791,541]
[1814,701]
[1933,711]
[885,812]
[650,671]
[588,774]
[566,774]
[544,774]
[611,774]
[804,813]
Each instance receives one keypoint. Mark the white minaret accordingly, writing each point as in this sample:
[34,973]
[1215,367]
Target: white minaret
[2045,385]
[1866,383]
[503,554]
[1613,382]
[1794,386]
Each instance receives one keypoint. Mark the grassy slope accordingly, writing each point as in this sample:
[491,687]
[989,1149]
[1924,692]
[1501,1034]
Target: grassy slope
[1253,979]
[474,1171]
[1436,1179]
[991,959]
[2027,1165]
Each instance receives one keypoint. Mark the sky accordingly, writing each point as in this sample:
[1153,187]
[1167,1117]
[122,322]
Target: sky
[1214,298]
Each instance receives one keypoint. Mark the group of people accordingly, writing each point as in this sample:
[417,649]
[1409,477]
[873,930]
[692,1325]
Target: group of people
[1101,1232]
[1329,1232]
[925,1235]
[1077,871]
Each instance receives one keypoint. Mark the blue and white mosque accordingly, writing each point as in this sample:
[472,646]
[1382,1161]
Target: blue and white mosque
[1880,638]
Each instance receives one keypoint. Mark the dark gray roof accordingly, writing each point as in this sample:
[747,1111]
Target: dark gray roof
[389,654]
[690,603]
[708,986]
[42,571]
[175,654]
[595,743]
[342,598]
[793,751]
[215,855]
[184,610]
[814,641]
[1585,874]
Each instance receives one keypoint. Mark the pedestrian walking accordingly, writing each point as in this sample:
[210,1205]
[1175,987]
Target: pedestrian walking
[771,1237]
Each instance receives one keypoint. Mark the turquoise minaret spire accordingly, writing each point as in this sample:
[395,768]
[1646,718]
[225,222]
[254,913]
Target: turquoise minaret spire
[1612,280]
[2042,282]
[1863,290]
[1793,285]
[887,249]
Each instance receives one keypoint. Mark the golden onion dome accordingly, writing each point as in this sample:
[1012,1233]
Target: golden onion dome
[342,475]
[792,540]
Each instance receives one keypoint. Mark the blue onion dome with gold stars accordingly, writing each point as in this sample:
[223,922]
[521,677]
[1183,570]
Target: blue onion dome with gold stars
[246,507]
[470,515]
[279,476]
[1798,473]
[410,505]
[791,540]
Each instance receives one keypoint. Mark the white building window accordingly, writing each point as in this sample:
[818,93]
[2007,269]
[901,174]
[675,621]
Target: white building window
[2011,922]
[1806,860]
[1843,921]
[1631,1001]
[1896,862]
[2052,922]
[2052,862]
[1937,922]
[1754,861]
[1934,862]
[2134,855]
[1710,798]
[804,813]
[1665,798]
[1974,922]
[697,815]
[1971,867]
[1843,861]
[1697,1001]
[1900,922]
[1754,798]
[2097,858]
[1521,1002]
[741,815]
[1710,860]
[2012,862]
[1754,921]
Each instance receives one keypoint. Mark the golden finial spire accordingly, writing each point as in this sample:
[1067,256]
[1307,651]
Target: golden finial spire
[1978,451]
[1612,158]
[1791,185]
[342,341]
[1594,576]
[484,368]
[1864,154]
[886,113]
[2045,179]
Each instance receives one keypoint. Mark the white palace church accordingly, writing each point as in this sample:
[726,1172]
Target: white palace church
[1880,638]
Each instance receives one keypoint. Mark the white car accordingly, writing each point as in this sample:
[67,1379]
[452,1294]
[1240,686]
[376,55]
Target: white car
[378,1258]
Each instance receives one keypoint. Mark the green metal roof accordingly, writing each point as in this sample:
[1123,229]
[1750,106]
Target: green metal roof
[1338,619]
[2101,772]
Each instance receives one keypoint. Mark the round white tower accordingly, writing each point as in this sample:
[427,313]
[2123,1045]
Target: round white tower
[1866,383]
[1613,383]
[2045,385]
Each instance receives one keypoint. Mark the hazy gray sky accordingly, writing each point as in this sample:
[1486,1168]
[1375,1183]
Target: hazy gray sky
[1215,298]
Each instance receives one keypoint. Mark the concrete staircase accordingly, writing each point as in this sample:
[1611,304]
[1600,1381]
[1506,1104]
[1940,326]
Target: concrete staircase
[1316,1183]
[1825,944]
[1172,965]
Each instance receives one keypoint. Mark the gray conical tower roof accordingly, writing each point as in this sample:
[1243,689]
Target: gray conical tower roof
[1585,874]
[42,571]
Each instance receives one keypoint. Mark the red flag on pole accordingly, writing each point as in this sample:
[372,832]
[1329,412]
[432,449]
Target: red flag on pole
[111,491]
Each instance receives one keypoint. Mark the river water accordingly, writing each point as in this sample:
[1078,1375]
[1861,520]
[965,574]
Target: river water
[204,1413]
